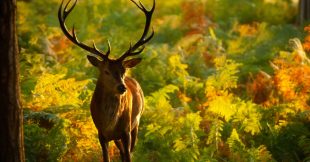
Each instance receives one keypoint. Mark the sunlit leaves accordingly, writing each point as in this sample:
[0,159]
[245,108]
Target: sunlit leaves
[215,134]
[172,126]
[234,141]
[188,143]
[84,143]
[224,79]
[222,106]
[179,145]
[262,154]
[239,152]
[54,90]
[161,97]
[248,116]
[177,66]
[243,114]
[292,78]
[152,128]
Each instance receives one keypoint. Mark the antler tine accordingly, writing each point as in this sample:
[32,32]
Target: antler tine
[66,6]
[107,53]
[109,49]
[144,39]
[63,13]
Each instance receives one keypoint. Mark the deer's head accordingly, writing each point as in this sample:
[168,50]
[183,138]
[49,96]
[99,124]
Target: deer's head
[112,71]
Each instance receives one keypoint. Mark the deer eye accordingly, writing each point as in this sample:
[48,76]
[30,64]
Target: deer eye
[107,72]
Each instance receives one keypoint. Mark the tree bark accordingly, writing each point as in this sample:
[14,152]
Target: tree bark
[304,11]
[11,115]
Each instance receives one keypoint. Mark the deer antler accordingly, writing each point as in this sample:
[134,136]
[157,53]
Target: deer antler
[63,13]
[144,39]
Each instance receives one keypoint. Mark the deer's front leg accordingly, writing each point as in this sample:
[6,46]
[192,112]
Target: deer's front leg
[126,140]
[120,146]
[104,145]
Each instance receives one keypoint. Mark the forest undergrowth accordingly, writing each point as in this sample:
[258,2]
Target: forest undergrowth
[223,80]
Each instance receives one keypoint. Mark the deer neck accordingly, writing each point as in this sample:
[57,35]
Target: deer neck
[105,94]
[109,105]
[108,99]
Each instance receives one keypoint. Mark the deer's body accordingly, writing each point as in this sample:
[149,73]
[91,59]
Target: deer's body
[117,102]
[116,106]
[115,114]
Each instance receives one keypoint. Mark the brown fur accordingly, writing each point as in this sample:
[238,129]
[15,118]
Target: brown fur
[116,115]
[117,103]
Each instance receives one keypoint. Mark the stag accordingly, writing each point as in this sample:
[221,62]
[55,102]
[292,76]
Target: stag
[117,102]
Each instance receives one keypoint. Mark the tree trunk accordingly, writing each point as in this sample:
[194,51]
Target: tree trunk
[304,11]
[11,116]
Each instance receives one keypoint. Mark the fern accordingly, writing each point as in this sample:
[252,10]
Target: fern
[46,136]
[222,106]
[214,136]
[54,90]
[174,127]
[234,142]
[304,143]
[248,117]
[260,153]
[225,77]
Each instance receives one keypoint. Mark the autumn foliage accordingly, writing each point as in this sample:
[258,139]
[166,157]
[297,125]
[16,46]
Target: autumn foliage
[223,80]
[289,83]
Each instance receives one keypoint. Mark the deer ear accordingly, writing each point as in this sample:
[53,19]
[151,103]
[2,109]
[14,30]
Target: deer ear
[93,60]
[132,62]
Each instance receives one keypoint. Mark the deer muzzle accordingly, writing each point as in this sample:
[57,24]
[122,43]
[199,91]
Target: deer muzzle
[121,88]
